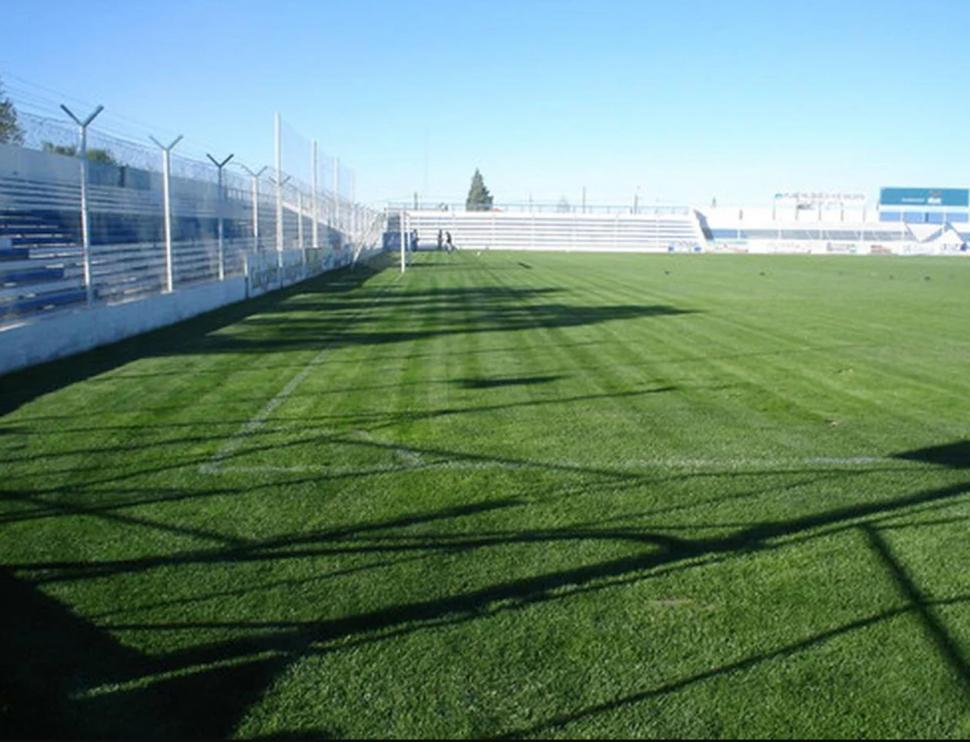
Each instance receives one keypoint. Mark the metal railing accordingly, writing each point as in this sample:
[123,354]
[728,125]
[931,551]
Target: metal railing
[89,217]
[542,207]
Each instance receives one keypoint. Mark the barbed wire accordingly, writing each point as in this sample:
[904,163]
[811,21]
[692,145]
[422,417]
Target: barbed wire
[125,141]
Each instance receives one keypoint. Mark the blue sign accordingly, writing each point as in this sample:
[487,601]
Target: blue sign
[924,197]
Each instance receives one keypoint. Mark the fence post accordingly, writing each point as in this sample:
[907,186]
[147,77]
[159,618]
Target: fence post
[255,195]
[85,228]
[315,206]
[353,207]
[167,206]
[279,182]
[255,177]
[222,201]
[299,223]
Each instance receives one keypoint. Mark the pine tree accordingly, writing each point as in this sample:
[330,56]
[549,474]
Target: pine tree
[479,199]
[10,131]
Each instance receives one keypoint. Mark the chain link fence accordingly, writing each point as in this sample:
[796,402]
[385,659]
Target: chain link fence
[88,215]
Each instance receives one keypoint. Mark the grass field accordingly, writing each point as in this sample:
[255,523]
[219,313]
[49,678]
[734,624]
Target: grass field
[504,495]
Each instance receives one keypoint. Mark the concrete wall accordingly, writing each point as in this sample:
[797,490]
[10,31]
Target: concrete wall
[63,333]
[69,332]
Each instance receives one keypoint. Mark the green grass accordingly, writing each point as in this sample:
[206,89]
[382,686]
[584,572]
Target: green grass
[506,494]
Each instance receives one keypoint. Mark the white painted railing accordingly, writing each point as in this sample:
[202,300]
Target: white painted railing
[42,260]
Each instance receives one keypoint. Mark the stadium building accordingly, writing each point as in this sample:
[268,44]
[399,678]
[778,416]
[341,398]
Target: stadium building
[905,221]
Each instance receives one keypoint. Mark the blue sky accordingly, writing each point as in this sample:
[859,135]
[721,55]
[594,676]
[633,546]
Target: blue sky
[677,101]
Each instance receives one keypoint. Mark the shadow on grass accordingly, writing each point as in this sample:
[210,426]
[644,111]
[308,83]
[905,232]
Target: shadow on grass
[369,421]
[320,313]
[496,382]
[747,663]
[954,455]
[204,690]
[39,698]
[143,695]
[22,386]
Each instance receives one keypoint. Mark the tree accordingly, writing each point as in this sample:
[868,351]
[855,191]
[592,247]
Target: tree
[479,199]
[563,206]
[68,150]
[103,156]
[10,129]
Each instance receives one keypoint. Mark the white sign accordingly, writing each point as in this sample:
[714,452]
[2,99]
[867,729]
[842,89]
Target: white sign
[814,199]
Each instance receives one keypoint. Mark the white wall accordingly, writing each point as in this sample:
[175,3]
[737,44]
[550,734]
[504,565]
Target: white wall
[68,332]
[63,333]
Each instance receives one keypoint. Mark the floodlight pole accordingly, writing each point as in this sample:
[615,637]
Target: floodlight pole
[279,191]
[315,234]
[167,206]
[85,227]
[336,193]
[222,253]
[255,177]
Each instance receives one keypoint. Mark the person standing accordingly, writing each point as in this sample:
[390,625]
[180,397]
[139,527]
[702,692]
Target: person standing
[450,245]
[440,239]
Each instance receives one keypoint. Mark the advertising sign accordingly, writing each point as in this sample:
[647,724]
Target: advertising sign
[817,199]
[924,197]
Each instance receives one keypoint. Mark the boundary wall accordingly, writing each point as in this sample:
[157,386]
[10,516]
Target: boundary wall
[70,331]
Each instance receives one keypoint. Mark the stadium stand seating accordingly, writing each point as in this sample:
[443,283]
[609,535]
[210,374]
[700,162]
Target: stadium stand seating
[40,264]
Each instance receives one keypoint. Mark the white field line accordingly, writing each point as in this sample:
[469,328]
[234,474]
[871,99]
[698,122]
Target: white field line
[256,422]
[630,467]
[141,680]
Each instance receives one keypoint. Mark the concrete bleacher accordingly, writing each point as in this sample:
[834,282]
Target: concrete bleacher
[661,229]
[40,265]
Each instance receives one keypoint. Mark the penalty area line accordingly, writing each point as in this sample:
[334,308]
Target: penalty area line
[232,446]
[632,467]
